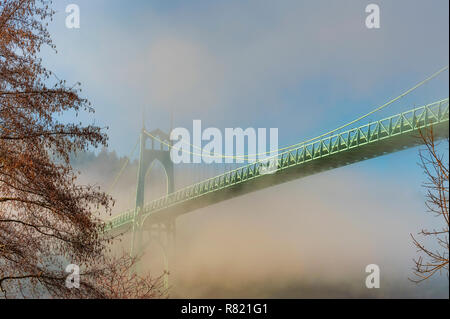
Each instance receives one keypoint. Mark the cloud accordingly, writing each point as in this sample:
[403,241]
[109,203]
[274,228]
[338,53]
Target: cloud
[306,239]
[249,57]
[177,73]
[310,238]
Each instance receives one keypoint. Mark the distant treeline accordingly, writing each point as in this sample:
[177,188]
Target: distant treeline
[105,162]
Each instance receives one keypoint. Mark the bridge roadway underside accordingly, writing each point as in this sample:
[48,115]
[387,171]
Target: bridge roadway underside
[339,159]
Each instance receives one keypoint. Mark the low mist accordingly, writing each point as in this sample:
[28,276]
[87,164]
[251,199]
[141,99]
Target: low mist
[311,238]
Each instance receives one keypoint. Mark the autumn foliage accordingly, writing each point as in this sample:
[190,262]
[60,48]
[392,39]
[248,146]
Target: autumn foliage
[46,219]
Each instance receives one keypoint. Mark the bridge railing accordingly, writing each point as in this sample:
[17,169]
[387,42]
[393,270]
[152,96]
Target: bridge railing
[374,131]
[121,219]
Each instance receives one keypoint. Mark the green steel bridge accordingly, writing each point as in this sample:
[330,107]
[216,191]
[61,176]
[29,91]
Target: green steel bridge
[157,219]
[336,148]
[373,139]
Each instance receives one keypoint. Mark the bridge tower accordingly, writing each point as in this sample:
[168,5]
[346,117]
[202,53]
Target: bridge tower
[161,233]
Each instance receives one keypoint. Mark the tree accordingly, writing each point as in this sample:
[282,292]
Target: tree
[46,219]
[436,168]
[116,279]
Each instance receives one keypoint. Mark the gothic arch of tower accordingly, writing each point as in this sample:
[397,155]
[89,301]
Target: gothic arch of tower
[147,157]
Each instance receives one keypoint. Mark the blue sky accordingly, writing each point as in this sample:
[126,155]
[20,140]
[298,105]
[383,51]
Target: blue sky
[305,67]
[302,66]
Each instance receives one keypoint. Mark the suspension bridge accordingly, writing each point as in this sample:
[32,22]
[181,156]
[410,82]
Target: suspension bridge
[350,143]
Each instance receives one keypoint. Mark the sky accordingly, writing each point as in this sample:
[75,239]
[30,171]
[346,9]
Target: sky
[304,67]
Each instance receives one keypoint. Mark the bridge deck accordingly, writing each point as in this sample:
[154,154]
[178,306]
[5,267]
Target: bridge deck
[374,139]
